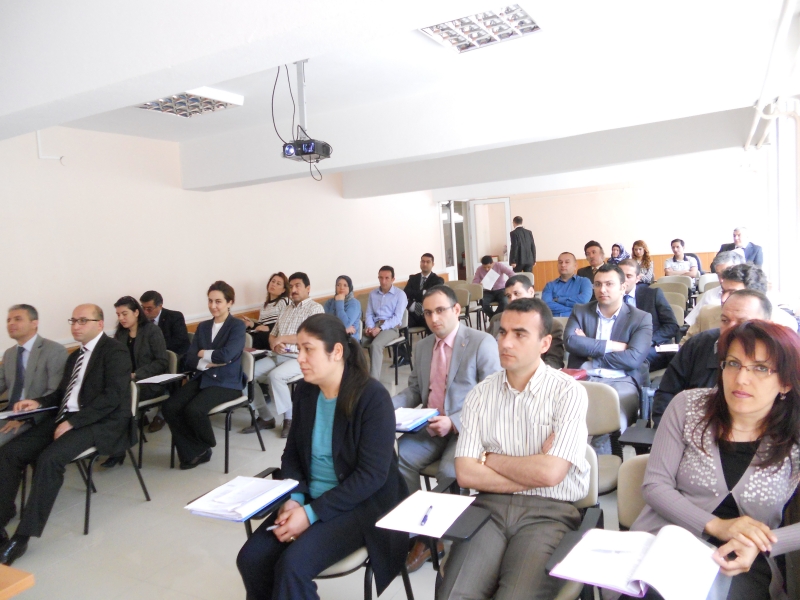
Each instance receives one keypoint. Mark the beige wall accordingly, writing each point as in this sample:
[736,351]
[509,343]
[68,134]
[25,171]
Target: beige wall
[113,220]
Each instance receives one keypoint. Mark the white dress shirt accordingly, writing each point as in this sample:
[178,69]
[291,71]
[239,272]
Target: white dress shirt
[604,327]
[26,354]
[202,365]
[72,402]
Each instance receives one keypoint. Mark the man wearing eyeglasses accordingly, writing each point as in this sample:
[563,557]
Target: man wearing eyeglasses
[91,407]
[447,365]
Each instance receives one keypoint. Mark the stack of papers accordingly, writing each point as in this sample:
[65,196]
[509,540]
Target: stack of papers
[163,378]
[240,498]
[668,348]
[442,510]
[408,419]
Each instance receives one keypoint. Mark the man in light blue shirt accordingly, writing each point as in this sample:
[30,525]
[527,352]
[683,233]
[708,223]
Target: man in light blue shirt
[384,315]
[569,289]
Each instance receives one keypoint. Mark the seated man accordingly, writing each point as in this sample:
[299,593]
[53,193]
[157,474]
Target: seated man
[569,289]
[94,409]
[697,363]
[680,263]
[278,370]
[752,253]
[31,368]
[610,340]
[384,316]
[416,288]
[522,446]
[447,365]
[653,301]
[596,256]
[495,294]
[713,297]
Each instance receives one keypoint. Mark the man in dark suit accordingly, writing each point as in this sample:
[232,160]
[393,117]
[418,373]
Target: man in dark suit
[523,249]
[653,301]
[93,409]
[596,257]
[176,336]
[611,340]
[416,288]
[752,252]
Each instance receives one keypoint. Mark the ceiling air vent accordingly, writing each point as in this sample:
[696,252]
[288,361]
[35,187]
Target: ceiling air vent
[483,29]
[194,103]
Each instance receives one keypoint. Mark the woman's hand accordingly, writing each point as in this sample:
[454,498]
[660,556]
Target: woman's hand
[200,353]
[338,297]
[262,328]
[746,530]
[247,321]
[286,507]
[291,524]
[745,556]
[351,330]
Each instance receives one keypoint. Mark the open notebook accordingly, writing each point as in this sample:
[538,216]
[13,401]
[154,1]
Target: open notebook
[675,562]
[408,419]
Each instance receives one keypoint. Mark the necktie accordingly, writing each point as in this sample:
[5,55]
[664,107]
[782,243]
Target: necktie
[73,380]
[630,301]
[422,282]
[19,378]
[438,377]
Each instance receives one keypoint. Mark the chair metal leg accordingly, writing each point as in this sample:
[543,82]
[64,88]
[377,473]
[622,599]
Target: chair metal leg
[368,581]
[23,491]
[248,529]
[227,436]
[407,583]
[141,439]
[427,483]
[258,430]
[139,475]
[89,489]
[434,553]
[172,453]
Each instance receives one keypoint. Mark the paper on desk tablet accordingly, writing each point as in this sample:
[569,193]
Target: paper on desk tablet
[161,378]
[407,516]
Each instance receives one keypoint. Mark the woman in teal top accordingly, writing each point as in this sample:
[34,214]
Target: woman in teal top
[341,450]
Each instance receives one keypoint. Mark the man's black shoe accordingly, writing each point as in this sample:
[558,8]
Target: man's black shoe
[3,536]
[12,550]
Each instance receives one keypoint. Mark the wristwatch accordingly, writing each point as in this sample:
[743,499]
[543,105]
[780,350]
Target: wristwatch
[482,459]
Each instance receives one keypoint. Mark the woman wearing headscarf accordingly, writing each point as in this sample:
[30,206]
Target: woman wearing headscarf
[345,306]
[618,254]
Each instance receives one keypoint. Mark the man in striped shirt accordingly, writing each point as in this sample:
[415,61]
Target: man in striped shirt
[523,447]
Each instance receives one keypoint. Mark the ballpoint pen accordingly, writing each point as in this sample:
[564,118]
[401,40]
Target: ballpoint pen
[425,517]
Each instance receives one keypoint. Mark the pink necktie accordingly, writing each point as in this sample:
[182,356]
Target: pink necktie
[438,377]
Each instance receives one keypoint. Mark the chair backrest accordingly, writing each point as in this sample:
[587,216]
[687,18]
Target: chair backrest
[528,275]
[463,295]
[675,298]
[172,360]
[248,340]
[699,262]
[562,320]
[630,501]
[711,285]
[602,415]
[363,299]
[704,280]
[673,286]
[134,398]
[679,315]
[684,279]
[248,362]
[475,292]
[456,283]
[360,329]
[191,336]
[404,321]
[594,480]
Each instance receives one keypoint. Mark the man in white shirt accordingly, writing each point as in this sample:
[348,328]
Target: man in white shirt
[680,264]
[523,447]
[713,297]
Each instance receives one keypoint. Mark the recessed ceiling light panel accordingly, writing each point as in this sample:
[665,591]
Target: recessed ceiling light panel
[483,29]
[195,102]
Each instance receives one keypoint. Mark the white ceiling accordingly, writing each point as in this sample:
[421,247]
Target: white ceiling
[378,90]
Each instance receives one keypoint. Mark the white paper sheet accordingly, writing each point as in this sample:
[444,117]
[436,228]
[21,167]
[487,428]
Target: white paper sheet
[668,348]
[162,378]
[240,498]
[411,418]
[490,279]
[407,516]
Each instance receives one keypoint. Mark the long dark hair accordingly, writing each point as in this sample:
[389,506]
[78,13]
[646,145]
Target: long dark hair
[285,293]
[131,304]
[782,424]
[330,330]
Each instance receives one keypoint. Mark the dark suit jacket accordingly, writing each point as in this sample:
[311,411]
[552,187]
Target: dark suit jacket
[413,293]
[148,348]
[653,301]
[633,327]
[227,347]
[173,326]
[696,365]
[365,464]
[104,397]
[523,248]
[752,253]
[589,274]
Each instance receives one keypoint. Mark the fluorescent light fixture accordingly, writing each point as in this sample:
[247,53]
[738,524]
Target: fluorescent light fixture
[483,29]
[195,102]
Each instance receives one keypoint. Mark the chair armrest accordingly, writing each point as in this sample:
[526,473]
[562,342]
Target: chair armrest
[448,484]
[591,520]
[274,471]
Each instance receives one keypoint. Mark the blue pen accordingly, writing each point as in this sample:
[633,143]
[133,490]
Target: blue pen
[425,518]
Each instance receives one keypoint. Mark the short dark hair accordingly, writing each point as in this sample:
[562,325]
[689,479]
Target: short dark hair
[428,255]
[387,268]
[766,305]
[487,260]
[442,289]
[526,305]
[612,268]
[521,279]
[590,244]
[301,276]
[33,314]
[517,220]
[683,244]
[227,291]
[131,304]
[629,262]
[751,276]
[152,296]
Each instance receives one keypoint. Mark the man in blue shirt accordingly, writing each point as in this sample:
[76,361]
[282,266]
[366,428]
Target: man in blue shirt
[569,289]
[384,314]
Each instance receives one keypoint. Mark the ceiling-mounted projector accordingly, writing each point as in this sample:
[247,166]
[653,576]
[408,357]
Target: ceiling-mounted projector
[307,150]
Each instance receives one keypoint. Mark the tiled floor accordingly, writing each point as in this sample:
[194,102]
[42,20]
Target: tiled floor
[157,550]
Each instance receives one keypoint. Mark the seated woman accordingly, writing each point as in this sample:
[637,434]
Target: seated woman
[345,306]
[726,460]
[340,496]
[641,254]
[277,300]
[618,254]
[148,351]
[216,356]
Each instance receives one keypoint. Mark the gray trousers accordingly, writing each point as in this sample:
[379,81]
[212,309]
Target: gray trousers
[505,559]
[277,371]
[376,347]
[418,450]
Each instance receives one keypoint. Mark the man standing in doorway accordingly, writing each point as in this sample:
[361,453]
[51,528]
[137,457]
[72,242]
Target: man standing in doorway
[523,249]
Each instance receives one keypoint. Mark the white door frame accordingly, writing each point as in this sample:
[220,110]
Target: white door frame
[474,258]
[452,271]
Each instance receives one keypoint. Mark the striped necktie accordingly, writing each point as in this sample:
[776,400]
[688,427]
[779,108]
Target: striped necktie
[73,381]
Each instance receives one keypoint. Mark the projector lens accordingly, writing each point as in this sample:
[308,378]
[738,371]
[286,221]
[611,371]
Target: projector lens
[288,150]
[308,147]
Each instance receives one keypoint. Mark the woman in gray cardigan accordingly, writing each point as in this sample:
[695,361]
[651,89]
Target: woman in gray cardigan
[726,460]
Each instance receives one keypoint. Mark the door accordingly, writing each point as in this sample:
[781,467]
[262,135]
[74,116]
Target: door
[489,228]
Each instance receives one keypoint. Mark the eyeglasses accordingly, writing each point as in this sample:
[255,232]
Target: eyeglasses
[757,370]
[439,311]
[80,321]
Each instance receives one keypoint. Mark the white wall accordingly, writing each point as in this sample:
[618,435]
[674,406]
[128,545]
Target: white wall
[114,220]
